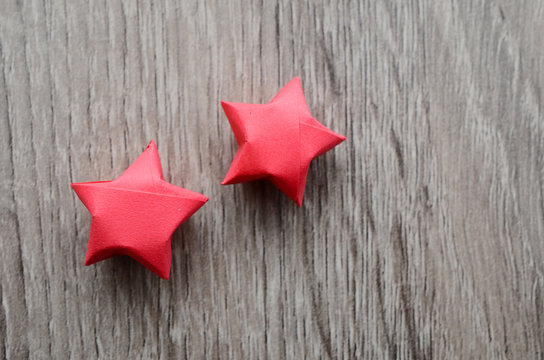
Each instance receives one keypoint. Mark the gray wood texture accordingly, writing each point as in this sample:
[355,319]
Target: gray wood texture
[421,236]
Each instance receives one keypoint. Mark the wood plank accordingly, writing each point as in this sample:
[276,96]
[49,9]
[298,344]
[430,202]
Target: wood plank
[421,236]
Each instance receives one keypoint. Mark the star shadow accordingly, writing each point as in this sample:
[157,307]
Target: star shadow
[126,277]
[129,280]
[184,249]
[260,194]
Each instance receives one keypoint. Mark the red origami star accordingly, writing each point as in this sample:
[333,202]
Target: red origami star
[137,213]
[277,141]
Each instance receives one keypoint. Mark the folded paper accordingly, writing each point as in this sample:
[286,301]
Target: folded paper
[137,213]
[277,141]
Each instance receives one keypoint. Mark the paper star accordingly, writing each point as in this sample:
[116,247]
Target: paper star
[137,213]
[277,141]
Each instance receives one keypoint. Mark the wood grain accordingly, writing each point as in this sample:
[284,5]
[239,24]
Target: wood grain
[421,236]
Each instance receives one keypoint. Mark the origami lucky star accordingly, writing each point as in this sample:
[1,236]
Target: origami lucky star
[137,213]
[277,141]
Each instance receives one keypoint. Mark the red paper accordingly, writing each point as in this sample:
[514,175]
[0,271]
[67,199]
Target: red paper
[137,213]
[277,141]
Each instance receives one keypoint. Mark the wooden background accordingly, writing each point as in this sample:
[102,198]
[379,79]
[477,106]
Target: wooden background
[421,236]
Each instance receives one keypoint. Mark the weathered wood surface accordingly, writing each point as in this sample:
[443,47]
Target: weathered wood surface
[421,236]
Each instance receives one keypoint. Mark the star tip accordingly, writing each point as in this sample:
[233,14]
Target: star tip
[226,104]
[298,200]
[91,258]
[164,277]
[152,144]
[76,186]
[227,180]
